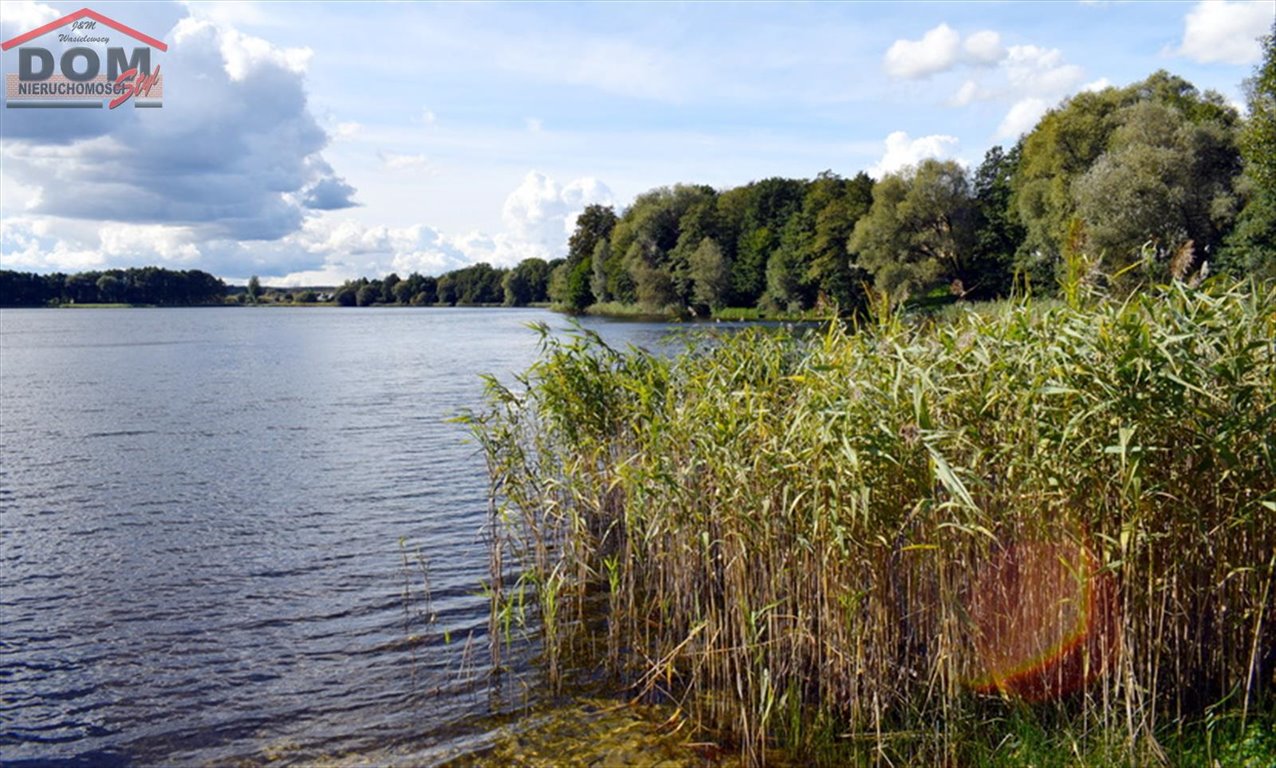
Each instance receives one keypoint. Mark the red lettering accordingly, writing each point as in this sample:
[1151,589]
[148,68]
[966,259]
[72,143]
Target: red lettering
[133,84]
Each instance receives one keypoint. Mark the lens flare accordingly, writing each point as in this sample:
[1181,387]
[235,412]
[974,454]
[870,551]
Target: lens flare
[1044,620]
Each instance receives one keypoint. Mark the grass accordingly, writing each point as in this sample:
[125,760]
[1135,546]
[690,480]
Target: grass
[631,311]
[783,537]
[757,313]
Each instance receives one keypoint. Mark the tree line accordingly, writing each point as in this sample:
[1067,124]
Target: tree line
[476,285]
[1146,183]
[144,285]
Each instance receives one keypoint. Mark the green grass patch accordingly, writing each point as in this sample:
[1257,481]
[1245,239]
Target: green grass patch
[632,311]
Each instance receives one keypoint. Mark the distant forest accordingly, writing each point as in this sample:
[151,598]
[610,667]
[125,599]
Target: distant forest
[1147,183]
[145,285]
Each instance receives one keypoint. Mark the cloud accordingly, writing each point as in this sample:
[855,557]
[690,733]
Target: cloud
[534,124]
[936,51]
[1097,85]
[1022,117]
[967,93]
[542,214]
[984,47]
[29,242]
[403,162]
[24,15]
[942,49]
[901,151]
[1041,71]
[1226,32]
[146,243]
[329,193]
[1036,78]
[347,130]
[234,153]
[538,215]
[243,55]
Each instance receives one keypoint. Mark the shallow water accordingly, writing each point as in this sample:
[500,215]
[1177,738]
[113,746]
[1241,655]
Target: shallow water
[244,535]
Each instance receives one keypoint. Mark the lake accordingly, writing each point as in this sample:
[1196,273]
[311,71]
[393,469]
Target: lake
[238,535]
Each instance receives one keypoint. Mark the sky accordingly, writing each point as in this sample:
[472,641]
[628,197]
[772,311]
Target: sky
[309,143]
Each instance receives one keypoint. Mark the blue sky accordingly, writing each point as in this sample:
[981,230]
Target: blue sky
[308,143]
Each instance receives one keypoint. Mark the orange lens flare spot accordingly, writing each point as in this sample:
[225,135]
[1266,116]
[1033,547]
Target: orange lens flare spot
[1044,621]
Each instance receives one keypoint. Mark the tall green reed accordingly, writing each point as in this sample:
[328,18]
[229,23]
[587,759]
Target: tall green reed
[786,530]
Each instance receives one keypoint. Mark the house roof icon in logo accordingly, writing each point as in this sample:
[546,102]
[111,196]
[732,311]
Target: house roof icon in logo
[81,14]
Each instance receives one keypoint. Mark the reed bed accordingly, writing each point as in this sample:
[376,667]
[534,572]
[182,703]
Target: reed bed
[782,535]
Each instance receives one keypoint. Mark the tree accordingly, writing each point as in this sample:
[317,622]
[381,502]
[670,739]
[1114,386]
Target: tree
[569,285]
[837,205]
[109,288]
[647,258]
[369,294]
[600,261]
[1251,248]
[920,229]
[1165,183]
[595,223]
[526,283]
[710,275]
[254,289]
[1069,141]
[1258,138]
[447,290]
[347,295]
[757,214]
[998,233]
[81,288]
[401,292]
[478,284]
[785,288]
[426,290]
[387,288]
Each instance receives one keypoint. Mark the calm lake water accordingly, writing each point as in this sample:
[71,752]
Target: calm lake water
[204,519]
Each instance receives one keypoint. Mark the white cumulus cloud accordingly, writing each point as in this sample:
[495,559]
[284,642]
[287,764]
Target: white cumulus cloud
[936,51]
[984,47]
[1226,32]
[1041,71]
[941,49]
[901,151]
[541,214]
[538,217]
[1022,117]
[244,53]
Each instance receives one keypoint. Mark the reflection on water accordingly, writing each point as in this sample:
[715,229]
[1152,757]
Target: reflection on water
[246,534]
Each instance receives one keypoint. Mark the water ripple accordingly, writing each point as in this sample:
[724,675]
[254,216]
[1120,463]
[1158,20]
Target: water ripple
[204,520]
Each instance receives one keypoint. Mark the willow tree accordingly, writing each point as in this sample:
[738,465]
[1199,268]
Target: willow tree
[920,229]
[1165,187]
